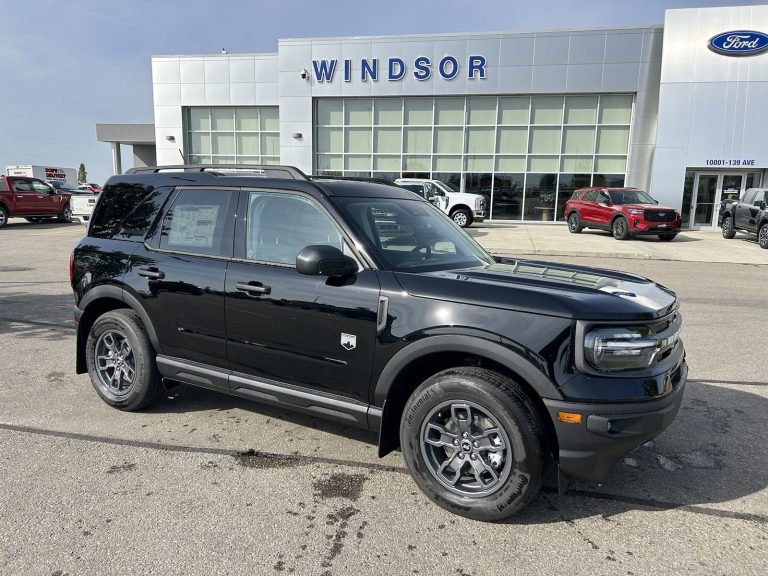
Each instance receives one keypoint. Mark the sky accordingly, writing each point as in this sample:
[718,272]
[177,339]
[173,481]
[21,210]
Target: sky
[66,66]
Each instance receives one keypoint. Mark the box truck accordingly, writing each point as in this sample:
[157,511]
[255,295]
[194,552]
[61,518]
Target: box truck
[44,173]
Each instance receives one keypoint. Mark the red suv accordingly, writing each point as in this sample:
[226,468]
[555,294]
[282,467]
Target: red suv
[624,212]
[32,199]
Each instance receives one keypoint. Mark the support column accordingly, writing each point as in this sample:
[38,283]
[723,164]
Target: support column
[117,164]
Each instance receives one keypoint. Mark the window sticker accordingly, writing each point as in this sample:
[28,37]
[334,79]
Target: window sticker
[193,225]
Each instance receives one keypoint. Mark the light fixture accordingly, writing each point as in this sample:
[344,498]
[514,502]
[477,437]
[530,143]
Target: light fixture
[171,138]
[298,135]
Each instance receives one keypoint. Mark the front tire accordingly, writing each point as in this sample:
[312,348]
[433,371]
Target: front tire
[121,361]
[473,442]
[620,228]
[729,232]
[66,214]
[462,217]
[762,236]
[3,217]
[574,223]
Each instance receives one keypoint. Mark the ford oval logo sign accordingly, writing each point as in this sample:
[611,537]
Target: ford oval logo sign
[739,43]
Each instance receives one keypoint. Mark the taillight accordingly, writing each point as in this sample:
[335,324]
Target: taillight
[72,268]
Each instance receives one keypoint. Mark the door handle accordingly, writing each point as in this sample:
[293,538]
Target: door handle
[151,272]
[253,287]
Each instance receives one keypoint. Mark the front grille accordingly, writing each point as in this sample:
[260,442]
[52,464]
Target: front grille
[660,215]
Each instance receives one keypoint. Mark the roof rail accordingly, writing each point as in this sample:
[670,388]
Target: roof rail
[354,179]
[266,170]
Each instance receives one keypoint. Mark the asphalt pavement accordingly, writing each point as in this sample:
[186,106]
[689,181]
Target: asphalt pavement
[209,484]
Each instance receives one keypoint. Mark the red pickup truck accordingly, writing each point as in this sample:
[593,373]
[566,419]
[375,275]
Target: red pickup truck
[33,199]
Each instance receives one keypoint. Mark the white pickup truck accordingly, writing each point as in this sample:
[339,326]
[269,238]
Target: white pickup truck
[463,208]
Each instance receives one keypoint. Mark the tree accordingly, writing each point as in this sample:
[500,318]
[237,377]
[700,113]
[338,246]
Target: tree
[82,175]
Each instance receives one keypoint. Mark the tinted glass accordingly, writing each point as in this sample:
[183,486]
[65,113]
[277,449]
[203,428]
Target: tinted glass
[197,223]
[749,196]
[590,196]
[630,197]
[22,185]
[41,187]
[760,196]
[3,185]
[279,226]
[136,225]
[411,235]
[418,188]
[115,203]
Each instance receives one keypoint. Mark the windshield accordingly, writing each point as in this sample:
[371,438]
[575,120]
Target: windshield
[446,187]
[411,235]
[630,197]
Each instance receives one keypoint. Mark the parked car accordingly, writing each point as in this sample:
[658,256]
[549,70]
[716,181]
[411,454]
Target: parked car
[94,188]
[361,303]
[625,212]
[463,208]
[749,215]
[33,199]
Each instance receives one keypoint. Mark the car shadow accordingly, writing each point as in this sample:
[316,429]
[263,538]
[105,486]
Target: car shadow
[681,237]
[20,311]
[47,224]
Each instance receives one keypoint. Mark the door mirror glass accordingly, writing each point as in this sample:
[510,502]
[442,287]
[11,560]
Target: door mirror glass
[324,260]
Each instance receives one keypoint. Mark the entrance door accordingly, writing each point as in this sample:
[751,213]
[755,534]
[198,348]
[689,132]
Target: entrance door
[703,205]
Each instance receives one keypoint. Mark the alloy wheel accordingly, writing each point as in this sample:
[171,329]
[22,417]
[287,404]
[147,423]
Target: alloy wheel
[618,228]
[465,448]
[115,362]
[763,237]
[3,218]
[573,222]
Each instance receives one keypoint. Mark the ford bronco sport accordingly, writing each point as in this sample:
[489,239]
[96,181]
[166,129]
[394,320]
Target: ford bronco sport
[363,303]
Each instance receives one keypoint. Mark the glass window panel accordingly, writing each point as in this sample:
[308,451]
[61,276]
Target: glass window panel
[615,109]
[269,119]
[512,141]
[418,111]
[610,164]
[224,160]
[449,140]
[613,140]
[579,140]
[416,163]
[391,176]
[479,184]
[386,163]
[576,164]
[358,140]
[270,144]
[481,110]
[450,179]
[580,109]
[388,140]
[270,160]
[546,110]
[199,119]
[329,140]
[248,159]
[545,141]
[358,111]
[540,190]
[248,144]
[200,160]
[507,199]
[479,163]
[200,142]
[388,111]
[418,140]
[514,110]
[222,119]
[481,140]
[330,111]
[223,143]
[329,162]
[449,111]
[247,119]
[608,180]
[447,163]
[542,163]
[510,163]
[357,162]
[568,184]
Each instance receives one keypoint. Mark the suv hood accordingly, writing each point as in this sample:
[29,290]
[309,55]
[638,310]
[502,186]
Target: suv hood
[648,207]
[576,292]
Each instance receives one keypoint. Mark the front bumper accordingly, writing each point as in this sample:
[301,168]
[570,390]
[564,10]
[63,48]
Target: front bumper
[478,215]
[589,450]
[642,227]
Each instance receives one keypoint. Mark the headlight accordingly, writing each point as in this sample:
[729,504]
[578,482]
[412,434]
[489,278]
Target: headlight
[635,212]
[619,349]
[479,202]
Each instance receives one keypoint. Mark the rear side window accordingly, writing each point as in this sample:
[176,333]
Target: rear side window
[590,196]
[115,203]
[3,185]
[136,225]
[199,222]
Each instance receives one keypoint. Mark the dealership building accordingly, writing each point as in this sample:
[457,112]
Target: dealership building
[524,118]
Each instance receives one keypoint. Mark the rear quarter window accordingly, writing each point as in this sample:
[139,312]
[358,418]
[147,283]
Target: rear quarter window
[116,203]
[3,185]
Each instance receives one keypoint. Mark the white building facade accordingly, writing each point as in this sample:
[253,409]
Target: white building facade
[522,118]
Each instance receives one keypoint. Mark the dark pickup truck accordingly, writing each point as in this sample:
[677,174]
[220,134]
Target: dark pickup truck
[748,215]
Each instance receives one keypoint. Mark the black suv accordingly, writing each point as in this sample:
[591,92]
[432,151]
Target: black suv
[363,303]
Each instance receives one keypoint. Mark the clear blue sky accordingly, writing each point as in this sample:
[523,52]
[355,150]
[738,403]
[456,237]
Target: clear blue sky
[64,66]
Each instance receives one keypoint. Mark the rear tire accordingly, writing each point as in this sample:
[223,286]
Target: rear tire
[462,217]
[728,230]
[574,223]
[66,214]
[121,361]
[762,236]
[620,228]
[473,442]
[667,237]
[3,217]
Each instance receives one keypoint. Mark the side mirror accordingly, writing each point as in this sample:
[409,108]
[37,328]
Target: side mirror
[323,260]
[761,204]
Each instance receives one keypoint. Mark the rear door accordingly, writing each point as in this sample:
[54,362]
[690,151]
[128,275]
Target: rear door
[178,276]
[586,206]
[287,327]
[602,210]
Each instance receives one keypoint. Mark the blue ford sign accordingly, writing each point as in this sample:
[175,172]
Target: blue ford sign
[739,43]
